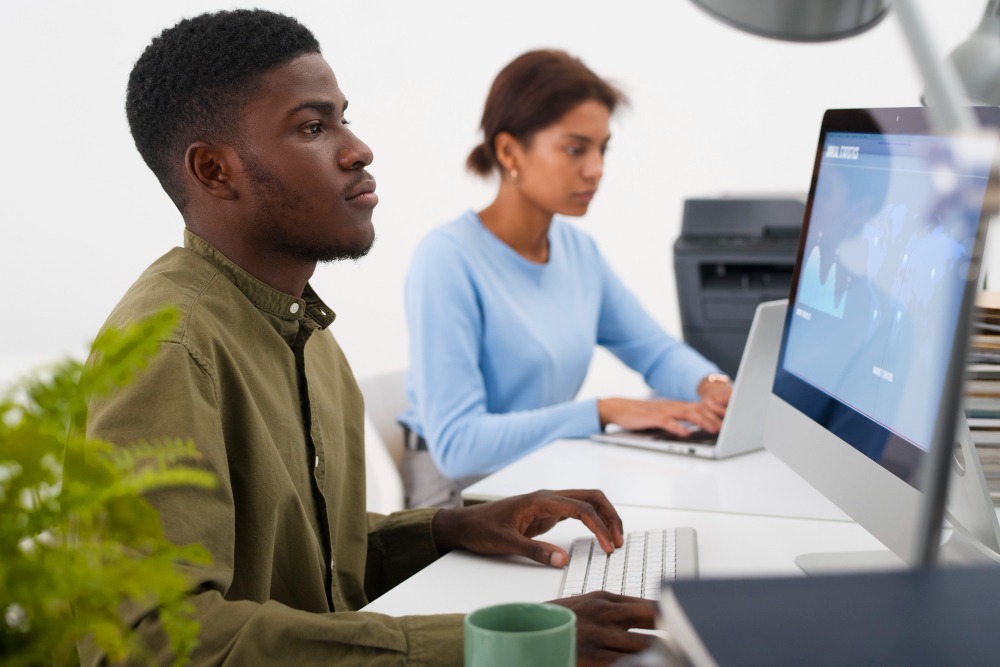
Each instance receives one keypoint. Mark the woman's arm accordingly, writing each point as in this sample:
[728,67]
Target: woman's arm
[669,366]
[445,318]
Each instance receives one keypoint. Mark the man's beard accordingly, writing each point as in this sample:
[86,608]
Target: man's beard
[276,201]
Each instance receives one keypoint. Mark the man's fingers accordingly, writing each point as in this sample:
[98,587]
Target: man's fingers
[629,612]
[521,518]
[584,511]
[605,510]
[623,641]
[540,552]
[638,614]
[603,625]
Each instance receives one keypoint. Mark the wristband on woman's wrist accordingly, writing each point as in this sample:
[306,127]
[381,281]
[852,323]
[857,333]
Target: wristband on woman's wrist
[713,378]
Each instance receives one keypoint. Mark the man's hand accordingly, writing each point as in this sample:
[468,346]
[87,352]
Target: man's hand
[505,527]
[602,626]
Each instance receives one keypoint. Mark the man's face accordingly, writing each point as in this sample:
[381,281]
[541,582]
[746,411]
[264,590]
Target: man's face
[310,197]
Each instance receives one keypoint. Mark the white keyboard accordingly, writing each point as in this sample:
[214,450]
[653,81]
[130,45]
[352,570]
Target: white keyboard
[637,568]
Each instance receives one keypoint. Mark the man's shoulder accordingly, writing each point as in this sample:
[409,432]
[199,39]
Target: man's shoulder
[179,279]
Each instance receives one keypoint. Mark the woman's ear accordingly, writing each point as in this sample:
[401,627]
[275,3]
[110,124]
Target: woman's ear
[509,151]
[210,168]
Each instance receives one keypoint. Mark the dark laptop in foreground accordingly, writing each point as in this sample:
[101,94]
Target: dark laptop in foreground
[742,429]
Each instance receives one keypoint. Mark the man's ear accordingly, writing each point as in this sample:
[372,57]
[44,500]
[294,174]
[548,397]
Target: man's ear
[210,167]
[508,151]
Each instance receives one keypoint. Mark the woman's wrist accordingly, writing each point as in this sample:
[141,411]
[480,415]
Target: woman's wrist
[605,411]
[712,380]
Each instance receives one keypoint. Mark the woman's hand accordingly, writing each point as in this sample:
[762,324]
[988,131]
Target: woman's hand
[714,391]
[632,414]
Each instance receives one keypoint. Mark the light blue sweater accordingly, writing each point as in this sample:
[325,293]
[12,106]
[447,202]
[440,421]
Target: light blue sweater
[499,345]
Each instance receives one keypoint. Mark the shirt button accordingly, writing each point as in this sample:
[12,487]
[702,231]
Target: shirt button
[294,308]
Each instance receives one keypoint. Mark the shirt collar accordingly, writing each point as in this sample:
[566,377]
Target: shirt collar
[282,309]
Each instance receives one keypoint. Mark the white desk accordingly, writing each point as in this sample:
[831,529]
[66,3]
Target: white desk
[754,483]
[728,545]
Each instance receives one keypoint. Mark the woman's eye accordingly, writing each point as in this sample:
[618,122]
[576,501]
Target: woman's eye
[344,121]
[574,150]
[313,128]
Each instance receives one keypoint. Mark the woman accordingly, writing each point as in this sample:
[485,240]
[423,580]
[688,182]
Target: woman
[506,305]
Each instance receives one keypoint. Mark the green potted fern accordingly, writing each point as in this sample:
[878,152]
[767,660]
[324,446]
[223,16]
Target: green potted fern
[77,539]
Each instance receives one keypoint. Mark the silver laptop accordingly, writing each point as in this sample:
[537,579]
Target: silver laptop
[743,426]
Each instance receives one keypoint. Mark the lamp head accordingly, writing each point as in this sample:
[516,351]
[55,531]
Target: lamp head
[798,21]
[977,59]
[976,63]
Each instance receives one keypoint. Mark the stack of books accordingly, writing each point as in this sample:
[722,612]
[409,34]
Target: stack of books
[984,347]
[982,391]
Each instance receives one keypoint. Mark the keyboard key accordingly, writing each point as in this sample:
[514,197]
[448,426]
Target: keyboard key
[637,568]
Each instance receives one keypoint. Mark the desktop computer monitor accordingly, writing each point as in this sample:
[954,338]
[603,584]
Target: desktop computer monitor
[876,326]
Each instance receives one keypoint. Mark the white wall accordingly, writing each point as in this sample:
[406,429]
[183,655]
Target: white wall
[714,111]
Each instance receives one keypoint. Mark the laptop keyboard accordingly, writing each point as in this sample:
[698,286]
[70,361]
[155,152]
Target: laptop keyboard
[637,568]
[694,436]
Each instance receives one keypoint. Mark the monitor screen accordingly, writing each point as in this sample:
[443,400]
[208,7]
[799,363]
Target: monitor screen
[889,245]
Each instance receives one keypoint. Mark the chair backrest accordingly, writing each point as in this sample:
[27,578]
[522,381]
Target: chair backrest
[384,491]
[385,399]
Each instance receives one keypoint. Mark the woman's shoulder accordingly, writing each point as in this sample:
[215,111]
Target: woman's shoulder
[574,239]
[448,245]
[461,231]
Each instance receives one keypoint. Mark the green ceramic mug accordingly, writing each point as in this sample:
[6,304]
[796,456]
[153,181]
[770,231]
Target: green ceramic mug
[525,634]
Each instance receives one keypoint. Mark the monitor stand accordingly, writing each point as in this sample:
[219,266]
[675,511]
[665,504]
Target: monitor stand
[971,538]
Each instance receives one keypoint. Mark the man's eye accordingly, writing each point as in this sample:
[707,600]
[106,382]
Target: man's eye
[313,128]
[574,150]
[344,121]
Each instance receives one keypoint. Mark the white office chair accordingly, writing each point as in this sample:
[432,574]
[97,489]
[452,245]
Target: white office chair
[385,399]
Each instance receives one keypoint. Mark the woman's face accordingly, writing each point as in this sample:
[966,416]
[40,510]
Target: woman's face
[560,169]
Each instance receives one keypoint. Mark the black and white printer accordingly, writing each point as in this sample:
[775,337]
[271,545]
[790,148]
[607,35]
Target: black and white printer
[733,254]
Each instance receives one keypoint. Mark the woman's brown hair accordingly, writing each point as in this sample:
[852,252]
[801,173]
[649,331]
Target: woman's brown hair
[535,90]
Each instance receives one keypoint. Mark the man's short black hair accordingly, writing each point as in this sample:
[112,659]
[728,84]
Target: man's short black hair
[193,81]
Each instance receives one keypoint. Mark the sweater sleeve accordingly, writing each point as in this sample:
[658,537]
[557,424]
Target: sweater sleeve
[671,367]
[447,386]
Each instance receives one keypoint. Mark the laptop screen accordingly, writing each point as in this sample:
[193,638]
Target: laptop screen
[892,223]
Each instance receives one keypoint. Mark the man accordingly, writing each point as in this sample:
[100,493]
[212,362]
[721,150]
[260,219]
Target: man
[242,121]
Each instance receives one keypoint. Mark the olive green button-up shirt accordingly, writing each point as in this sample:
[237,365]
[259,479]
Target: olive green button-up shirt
[254,377]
